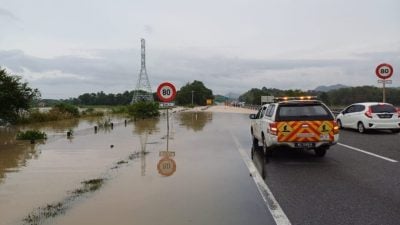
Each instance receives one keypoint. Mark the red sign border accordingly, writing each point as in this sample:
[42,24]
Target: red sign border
[380,75]
[159,92]
[173,166]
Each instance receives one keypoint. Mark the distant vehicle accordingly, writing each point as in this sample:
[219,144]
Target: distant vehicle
[370,116]
[296,123]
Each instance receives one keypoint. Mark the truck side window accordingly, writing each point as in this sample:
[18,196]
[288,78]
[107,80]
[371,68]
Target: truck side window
[259,113]
[262,112]
[270,110]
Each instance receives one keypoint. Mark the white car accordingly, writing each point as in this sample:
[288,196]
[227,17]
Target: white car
[370,115]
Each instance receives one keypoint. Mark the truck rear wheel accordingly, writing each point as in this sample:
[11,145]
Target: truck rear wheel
[266,149]
[255,143]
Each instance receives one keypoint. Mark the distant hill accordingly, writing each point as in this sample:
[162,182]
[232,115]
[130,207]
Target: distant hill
[324,88]
[220,98]
[232,95]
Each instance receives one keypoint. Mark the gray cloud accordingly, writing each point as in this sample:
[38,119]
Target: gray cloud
[7,14]
[148,29]
[117,70]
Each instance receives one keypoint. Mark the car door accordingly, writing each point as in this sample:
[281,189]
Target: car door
[347,116]
[356,115]
[258,122]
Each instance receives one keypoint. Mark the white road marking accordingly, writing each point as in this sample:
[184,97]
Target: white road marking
[269,199]
[368,153]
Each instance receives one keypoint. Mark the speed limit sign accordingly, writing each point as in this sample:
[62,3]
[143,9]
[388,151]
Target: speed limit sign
[166,92]
[166,166]
[384,71]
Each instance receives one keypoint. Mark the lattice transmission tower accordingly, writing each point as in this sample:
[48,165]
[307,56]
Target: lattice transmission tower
[143,88]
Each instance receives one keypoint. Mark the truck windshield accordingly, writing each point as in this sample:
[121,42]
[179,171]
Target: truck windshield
[297,112]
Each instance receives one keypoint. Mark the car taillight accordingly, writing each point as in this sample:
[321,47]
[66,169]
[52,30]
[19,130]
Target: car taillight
[273,129]
[335,127]
[368,113]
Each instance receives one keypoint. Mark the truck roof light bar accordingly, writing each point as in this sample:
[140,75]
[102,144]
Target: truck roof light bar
[279,99]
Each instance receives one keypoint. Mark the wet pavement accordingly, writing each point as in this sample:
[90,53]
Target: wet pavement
[204,181]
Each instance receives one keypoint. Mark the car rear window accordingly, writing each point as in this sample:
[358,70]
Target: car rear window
[297,112]
[383,108]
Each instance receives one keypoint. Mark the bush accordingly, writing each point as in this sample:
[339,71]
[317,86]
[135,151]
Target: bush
[144,110]
[92,112]
[60,111]
[31,135]
[66,108]
[119,109]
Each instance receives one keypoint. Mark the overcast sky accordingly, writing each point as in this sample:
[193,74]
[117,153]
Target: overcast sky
[69,47]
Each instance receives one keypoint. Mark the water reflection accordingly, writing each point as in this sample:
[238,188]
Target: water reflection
[14,154]
[146,126]
[195,120]
[259,160]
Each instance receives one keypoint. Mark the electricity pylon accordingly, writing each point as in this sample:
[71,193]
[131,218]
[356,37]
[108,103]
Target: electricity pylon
[143,88]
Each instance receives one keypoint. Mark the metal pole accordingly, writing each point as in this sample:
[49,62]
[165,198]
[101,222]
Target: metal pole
[167,129]
[384,94]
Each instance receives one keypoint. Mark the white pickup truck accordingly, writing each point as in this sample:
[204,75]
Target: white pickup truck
[304,124]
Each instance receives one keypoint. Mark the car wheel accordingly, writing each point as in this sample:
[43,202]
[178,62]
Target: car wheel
[395,131]
[320,152]
[360,127]
[339,123]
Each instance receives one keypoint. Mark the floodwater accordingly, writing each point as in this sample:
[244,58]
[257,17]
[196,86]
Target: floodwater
[189,175]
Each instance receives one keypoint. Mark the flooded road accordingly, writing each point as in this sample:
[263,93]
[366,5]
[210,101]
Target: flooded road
[203,181]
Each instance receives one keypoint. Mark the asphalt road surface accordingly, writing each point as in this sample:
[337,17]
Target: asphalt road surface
[357,182]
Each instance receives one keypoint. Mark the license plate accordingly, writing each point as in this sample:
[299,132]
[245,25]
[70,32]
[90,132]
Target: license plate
[385,116]
[304,145]
[324,137]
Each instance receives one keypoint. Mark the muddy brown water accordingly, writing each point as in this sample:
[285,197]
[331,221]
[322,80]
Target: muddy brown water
[202,186]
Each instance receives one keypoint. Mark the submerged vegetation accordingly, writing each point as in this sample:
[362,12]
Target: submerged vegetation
[51,210]
[89,186]
[31,135]
[39,215]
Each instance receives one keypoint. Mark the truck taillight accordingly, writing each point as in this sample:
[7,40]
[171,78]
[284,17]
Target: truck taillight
[335,127]
[273,129]
[368,113]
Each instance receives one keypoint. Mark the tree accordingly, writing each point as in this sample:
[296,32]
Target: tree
[15,96]
[199,91]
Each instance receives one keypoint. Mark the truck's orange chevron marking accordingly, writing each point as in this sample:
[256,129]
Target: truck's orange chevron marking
[311,132]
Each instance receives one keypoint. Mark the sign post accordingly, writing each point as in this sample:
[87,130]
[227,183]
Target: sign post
[384,71]
[166,92]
